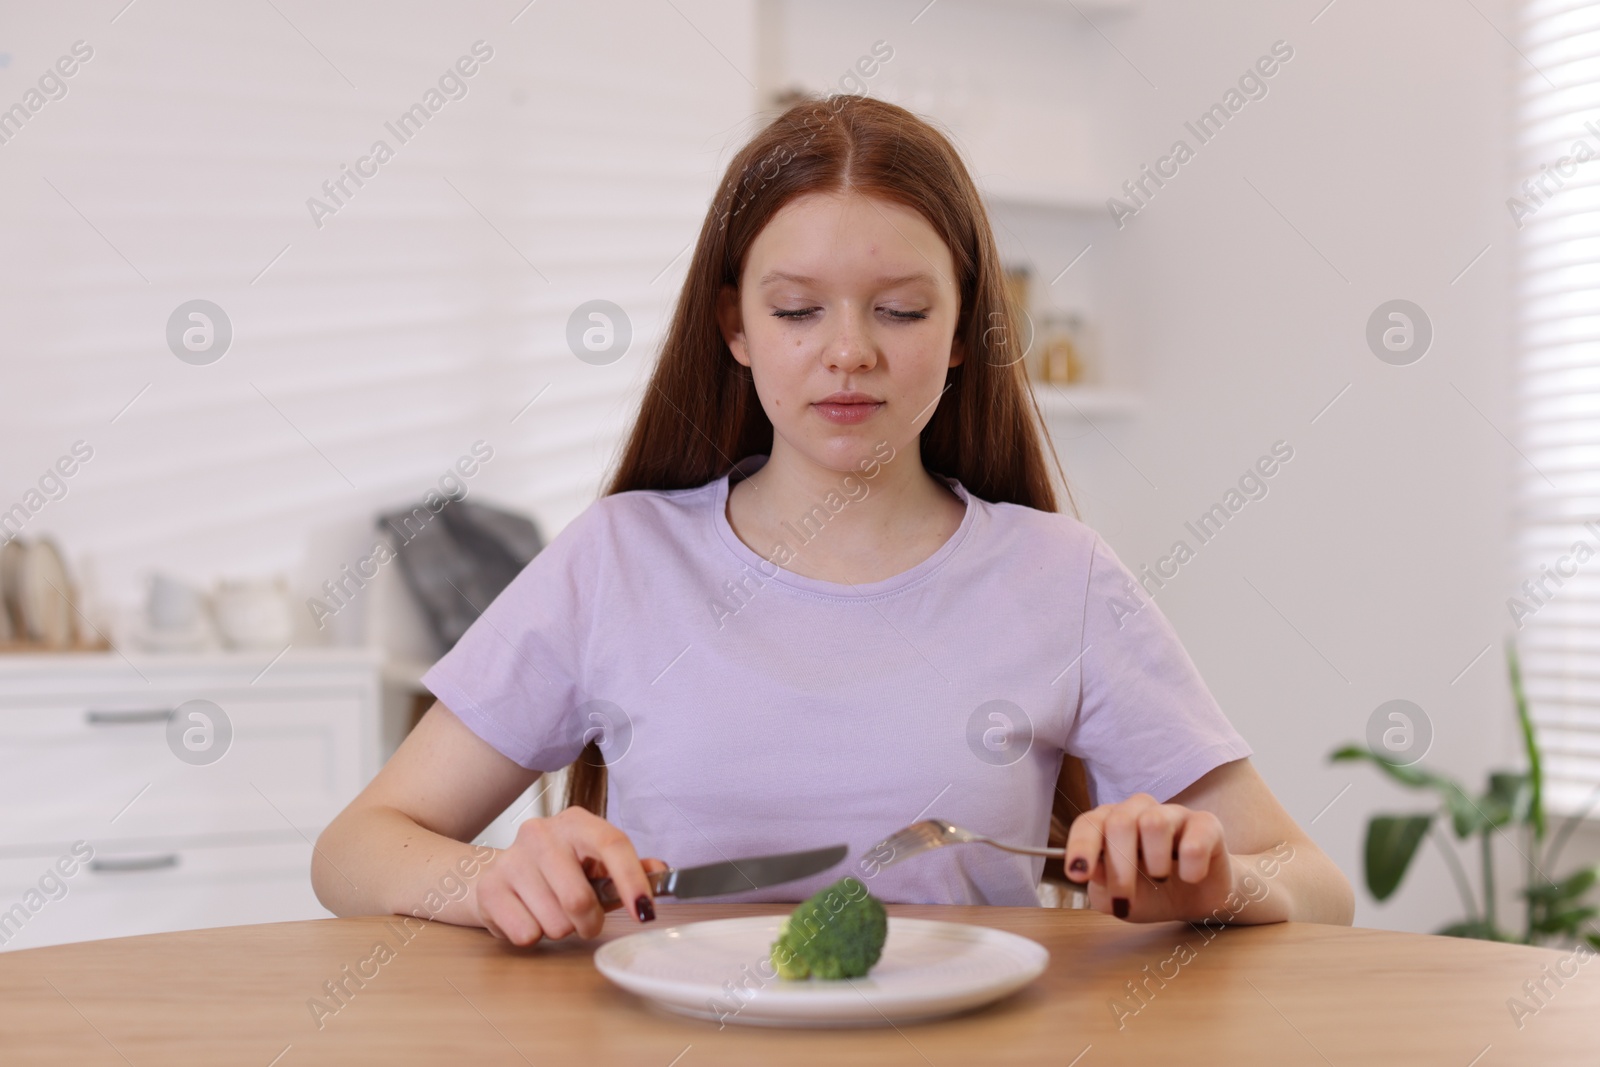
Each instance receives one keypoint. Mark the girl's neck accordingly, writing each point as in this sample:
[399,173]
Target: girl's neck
[880,522]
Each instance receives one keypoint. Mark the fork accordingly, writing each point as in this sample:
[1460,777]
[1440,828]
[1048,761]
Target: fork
[930,834]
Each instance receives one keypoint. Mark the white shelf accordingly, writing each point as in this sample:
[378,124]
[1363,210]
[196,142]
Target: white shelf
[97,667]
[1080,403]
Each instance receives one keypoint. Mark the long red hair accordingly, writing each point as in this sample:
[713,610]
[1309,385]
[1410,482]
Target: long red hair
[700,413]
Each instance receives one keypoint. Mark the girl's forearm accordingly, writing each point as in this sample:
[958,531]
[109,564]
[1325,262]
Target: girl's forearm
[1293,881]
[379,861]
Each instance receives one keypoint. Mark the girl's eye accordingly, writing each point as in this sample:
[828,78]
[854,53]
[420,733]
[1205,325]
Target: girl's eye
[800,313]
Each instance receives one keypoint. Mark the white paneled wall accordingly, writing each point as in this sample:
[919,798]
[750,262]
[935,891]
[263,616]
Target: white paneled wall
[368,352]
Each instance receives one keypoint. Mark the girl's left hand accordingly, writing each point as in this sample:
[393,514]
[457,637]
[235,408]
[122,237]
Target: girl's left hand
[1150,862]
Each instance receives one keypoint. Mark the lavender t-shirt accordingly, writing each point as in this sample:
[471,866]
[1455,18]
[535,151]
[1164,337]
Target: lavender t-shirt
[744,709]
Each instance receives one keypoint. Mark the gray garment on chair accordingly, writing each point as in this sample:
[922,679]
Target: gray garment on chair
[457,560]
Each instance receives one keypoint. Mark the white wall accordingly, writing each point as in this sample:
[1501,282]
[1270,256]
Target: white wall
[420,318]
[1378,560]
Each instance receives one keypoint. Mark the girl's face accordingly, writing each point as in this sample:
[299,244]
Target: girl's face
[846,316]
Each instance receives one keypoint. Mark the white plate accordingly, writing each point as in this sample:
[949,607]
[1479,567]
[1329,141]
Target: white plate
[5,609]
[928,969]
[47,595]
[11,555]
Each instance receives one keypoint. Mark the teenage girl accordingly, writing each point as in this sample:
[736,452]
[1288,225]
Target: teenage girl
[826,594]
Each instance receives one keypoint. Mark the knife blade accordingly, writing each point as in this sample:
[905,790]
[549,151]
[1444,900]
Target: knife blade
[733,876]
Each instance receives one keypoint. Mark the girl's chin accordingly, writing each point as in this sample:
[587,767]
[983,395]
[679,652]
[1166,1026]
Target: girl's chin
[845,450]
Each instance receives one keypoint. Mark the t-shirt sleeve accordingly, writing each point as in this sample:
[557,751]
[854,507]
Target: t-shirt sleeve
[1146,722]
[516,676]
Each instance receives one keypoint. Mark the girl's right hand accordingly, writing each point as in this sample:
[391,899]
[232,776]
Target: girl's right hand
[539,887]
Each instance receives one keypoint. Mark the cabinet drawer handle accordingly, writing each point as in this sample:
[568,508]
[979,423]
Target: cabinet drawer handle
[127,718]
[120,865]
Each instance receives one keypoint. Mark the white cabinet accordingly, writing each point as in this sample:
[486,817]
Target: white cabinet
[182,835]
[157,887]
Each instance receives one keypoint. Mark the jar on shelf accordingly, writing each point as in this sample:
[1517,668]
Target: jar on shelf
[1064,348]
[1018,277]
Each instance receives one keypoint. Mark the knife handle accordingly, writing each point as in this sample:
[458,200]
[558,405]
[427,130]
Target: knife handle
[606,889]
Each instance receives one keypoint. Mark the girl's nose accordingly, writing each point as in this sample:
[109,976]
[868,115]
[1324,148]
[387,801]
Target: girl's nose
[851,350]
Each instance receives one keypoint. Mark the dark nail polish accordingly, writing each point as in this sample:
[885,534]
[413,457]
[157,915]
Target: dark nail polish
[1079,866]
[645,909]
[1119,907]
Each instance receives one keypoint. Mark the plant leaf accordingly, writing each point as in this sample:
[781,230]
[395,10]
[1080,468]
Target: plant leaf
[1530,743]
[1572,886]
[1566,922]
[1474,928]
[1411,776]
[1467,816]
[1392,841]
[1464,814]
[1507,800]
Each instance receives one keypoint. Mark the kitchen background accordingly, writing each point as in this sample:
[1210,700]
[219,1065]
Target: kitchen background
[365,344]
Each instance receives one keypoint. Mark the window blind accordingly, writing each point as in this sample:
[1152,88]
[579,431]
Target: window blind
[1555,606]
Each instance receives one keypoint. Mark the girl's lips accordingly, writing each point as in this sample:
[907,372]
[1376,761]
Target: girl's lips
[847,413]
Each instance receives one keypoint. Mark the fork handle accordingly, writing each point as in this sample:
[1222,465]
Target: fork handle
[1050,853]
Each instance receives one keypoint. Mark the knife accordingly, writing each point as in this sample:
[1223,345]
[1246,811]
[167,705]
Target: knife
[734,876]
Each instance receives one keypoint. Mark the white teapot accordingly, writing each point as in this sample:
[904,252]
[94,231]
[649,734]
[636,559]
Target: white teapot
[253,613]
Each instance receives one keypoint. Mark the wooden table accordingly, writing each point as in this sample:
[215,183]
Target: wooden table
[1286,994]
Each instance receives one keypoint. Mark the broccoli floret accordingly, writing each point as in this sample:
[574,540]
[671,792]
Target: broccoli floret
[838,933]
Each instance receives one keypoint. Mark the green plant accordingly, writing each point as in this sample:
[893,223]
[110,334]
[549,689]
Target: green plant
[1555,907]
